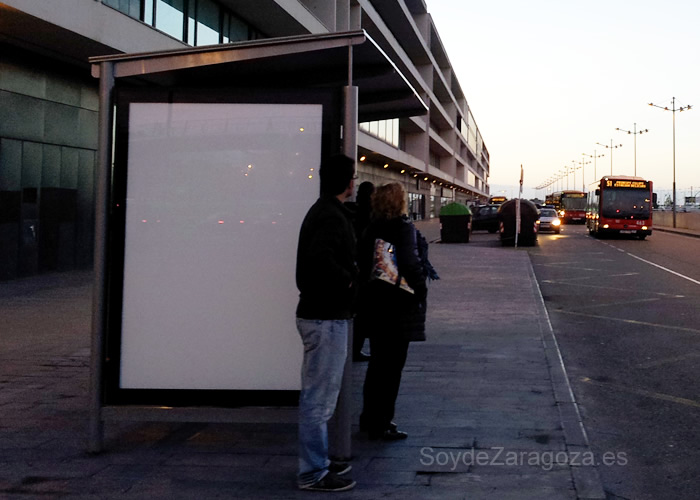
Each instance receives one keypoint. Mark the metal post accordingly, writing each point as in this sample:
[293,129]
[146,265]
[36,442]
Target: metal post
[104,155]
[595,173]
[673,101]
[635,150]
[341,424]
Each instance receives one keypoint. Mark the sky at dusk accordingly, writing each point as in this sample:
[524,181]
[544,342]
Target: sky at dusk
[547,80]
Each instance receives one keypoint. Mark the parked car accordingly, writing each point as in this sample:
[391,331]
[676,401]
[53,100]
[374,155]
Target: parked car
[549,220]
[485,217]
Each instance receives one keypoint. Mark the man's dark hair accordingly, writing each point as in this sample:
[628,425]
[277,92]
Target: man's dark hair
[336,173]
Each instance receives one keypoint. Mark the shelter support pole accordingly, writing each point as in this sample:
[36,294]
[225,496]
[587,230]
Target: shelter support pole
[341,445]
[104,165]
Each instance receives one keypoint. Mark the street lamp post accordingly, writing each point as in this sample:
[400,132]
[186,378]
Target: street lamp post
[572,170]
[635,142]
[594,156]
[583,163]
[562,173]
[611,152]
[673,109]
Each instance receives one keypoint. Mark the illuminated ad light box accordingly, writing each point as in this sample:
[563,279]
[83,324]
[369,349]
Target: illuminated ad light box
[210,197]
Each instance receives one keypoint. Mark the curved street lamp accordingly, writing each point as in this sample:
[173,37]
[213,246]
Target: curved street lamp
[635,132]
[595,156]
[611,153]
[673,109]
[583,164]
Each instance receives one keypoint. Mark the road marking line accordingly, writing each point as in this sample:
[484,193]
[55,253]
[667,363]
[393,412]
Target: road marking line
[659,362]
[584,278]
[562,282]
[615,304]
[632,321]
[665,269]
[642,392]
[652,263]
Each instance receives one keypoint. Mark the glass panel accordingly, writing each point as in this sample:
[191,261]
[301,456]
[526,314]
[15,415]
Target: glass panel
[207,22]
[374,128]
[625,203]
[226,27]
[216,196]
[238,31]
[148,12]
[170,17]
[132,8]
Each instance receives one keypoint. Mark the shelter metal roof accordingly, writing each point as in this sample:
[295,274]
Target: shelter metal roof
[288,62]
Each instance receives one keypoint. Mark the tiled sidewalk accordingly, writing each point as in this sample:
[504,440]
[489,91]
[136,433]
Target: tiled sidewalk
[485,402]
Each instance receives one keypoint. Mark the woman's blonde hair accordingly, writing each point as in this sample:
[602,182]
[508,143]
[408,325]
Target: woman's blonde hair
[389,201]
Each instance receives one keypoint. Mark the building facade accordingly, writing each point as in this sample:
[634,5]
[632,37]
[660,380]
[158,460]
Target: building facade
[49,106]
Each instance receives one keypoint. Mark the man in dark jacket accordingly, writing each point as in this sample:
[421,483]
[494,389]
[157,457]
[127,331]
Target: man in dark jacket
[326,276]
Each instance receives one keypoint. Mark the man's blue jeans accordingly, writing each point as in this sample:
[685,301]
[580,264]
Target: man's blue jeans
[325,350]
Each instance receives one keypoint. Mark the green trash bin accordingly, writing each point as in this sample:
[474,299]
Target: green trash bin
[455,223]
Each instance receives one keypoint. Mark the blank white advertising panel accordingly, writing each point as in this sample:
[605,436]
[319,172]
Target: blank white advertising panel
[216,194]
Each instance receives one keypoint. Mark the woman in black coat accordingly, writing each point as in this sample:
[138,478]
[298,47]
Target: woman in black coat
[393,316]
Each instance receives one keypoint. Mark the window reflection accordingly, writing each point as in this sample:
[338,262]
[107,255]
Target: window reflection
[207,23]
[625,203]
[170,17]
[386,130]
[201,22]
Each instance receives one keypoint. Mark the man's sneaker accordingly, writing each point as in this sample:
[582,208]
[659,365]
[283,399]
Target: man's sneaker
[339,468]
[330,482]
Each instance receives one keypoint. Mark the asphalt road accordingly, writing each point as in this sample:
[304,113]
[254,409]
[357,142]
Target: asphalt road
[627,318]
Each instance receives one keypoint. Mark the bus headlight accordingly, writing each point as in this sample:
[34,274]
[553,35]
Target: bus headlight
[644,228]
[605,226]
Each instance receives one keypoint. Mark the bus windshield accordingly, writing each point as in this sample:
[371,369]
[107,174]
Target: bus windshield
[578,203]
[625,203]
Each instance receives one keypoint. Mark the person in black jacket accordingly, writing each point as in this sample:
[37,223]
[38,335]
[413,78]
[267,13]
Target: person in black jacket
[393,316]
[326,275]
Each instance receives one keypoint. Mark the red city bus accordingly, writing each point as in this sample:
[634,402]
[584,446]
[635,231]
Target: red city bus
[571,206]
[620,205]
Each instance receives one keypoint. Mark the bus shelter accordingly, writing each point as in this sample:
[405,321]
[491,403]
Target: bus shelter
[208,161]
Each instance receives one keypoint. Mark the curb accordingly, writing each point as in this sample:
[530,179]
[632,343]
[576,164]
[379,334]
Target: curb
[586,479]
[677,231]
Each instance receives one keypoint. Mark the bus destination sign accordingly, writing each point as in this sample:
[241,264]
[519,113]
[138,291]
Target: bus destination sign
[619,183]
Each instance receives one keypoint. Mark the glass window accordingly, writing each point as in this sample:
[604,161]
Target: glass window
[131,8]
[148,12]
[386,130]
[208,14]
[170,17]
[238,30]
[416,206]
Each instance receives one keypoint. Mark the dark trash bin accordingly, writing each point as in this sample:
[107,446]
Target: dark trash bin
[455,223]
[528,220]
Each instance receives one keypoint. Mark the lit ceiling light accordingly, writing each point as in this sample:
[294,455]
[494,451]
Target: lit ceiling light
[386,165]
[363,158]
